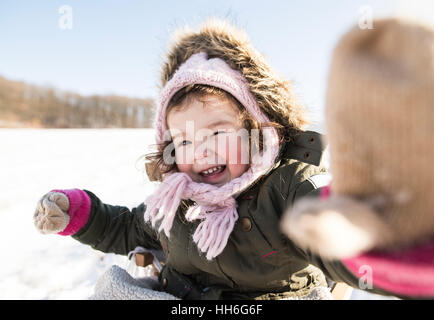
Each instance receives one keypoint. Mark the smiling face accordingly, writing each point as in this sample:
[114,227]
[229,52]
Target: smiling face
[211,146]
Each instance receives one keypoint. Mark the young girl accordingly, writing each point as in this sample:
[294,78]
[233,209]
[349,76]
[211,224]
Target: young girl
[217,212]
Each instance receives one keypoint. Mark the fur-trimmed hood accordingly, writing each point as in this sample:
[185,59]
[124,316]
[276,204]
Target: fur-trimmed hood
[220,39]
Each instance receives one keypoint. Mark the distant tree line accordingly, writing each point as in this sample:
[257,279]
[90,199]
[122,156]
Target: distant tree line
[25,105]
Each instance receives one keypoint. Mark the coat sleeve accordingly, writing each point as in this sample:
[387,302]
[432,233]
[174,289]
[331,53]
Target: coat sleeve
[116,229]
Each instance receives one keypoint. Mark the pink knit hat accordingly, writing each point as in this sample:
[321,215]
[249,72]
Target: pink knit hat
[215,206]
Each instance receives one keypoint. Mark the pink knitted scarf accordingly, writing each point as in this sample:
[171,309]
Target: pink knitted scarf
[215,206]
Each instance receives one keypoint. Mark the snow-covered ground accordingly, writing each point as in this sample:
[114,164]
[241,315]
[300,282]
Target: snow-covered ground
[34,161]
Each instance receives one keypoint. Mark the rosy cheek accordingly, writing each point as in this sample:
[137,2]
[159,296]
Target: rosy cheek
[237,153]
[184,168]
[243,155]
[240,151]
[184,156]
[237,170]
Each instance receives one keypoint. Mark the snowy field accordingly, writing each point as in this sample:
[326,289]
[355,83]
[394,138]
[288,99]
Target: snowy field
[32,162]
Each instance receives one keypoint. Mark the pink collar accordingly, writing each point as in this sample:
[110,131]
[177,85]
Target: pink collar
[408,272]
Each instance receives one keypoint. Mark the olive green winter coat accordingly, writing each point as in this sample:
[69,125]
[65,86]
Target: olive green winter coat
[258,262]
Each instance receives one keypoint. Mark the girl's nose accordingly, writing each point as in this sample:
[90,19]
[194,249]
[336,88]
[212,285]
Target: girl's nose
[201,152]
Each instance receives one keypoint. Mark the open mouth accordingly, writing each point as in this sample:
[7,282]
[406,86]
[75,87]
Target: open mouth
[212,171]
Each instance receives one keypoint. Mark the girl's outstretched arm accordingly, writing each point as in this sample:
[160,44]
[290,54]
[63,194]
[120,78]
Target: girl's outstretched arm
[116,229]
[82,215]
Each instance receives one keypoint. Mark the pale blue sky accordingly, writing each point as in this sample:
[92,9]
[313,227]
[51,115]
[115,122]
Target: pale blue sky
[116,46]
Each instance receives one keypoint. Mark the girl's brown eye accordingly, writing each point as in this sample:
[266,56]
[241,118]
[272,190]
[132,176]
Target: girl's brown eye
[184,143]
